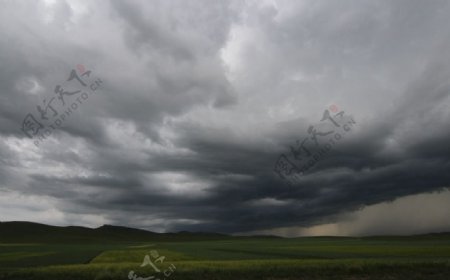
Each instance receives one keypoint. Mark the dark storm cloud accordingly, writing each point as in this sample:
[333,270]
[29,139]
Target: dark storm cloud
[200,98]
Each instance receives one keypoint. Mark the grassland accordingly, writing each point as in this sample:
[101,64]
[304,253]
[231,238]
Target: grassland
[426,257]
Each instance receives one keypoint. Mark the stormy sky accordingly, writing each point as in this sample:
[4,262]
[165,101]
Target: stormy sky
[177,115]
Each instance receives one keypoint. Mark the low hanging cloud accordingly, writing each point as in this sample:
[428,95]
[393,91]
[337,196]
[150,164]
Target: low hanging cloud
[386,218]
[198,100]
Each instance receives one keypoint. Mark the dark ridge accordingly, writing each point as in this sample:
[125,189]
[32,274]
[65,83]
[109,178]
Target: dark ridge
[28,232]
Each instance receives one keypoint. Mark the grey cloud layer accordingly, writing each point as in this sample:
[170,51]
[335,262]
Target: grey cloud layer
[200,97]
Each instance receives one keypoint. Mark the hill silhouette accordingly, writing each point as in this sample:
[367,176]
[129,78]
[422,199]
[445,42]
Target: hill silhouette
[30,232]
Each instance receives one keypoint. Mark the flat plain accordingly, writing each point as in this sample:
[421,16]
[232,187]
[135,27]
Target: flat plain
[419,257]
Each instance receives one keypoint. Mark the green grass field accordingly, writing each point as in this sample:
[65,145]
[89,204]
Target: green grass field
[235,258]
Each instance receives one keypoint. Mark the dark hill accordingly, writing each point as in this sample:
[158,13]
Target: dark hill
[21,232]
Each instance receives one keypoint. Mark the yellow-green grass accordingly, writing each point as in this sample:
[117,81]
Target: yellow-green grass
[250,269]
[252,258]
